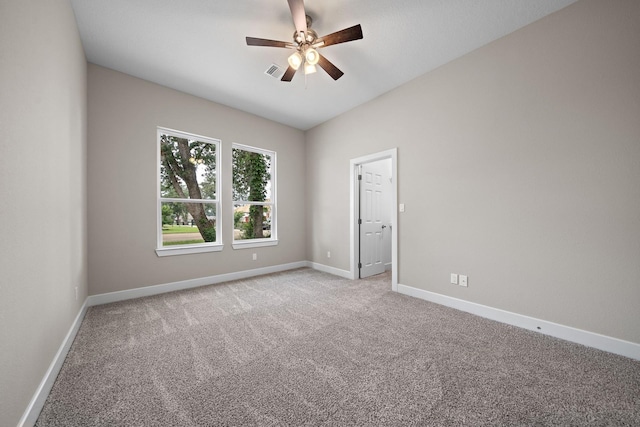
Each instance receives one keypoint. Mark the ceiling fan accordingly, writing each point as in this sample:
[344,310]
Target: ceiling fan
[306,44]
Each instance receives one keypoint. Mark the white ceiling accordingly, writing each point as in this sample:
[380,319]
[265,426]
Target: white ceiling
[198,46]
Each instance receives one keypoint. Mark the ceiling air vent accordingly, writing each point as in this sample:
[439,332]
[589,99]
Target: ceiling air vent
[275,71]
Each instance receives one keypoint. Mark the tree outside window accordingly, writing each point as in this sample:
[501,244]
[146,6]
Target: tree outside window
[188,193]
[253,193]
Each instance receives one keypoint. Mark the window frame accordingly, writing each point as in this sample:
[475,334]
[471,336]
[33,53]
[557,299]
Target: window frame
[216,246]
[272,240]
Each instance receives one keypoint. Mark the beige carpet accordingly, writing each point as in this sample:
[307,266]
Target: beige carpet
[307,348]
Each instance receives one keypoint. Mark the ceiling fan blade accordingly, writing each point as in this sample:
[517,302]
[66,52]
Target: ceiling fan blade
[288,75]
[331,69]
[343,36]
[253,41]
[299,15]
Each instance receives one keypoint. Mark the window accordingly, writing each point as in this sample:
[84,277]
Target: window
[188,193]
[254,197]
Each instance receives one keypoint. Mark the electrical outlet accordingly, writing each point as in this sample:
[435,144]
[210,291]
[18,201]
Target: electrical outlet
[255,257]
[454,278]
[463,280]
[328,254]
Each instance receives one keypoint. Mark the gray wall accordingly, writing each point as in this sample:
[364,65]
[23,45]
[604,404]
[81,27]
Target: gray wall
[519,165]
[124,113]
[43,190]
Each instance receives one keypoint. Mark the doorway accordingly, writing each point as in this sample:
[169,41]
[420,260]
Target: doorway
[374,231]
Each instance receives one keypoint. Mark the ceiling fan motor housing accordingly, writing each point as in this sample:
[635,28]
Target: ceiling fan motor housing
[309,37]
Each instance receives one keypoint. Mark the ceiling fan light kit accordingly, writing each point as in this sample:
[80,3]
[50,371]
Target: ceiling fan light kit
[295,60]
[311,56]
[309,68]
[306,42]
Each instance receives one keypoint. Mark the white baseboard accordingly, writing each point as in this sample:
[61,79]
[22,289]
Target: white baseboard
[331,270]
[210,280]
[579,336]
[32,412]
[188,284]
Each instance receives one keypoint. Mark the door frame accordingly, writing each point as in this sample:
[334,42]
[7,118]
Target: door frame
[354,241]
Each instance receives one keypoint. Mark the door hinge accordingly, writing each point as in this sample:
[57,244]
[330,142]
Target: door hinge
[359,221]
[359,265]
[359,177]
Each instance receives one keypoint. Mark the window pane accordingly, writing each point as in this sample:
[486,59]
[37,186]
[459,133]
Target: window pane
[251,222]
[188,223]
[187,168]
[251,176]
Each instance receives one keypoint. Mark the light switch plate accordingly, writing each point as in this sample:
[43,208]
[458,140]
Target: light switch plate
[401,207]
[454,278]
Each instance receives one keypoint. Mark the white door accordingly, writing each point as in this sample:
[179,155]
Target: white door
[373,221]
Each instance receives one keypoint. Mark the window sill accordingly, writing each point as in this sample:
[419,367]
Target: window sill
[185,250]
[256,243]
